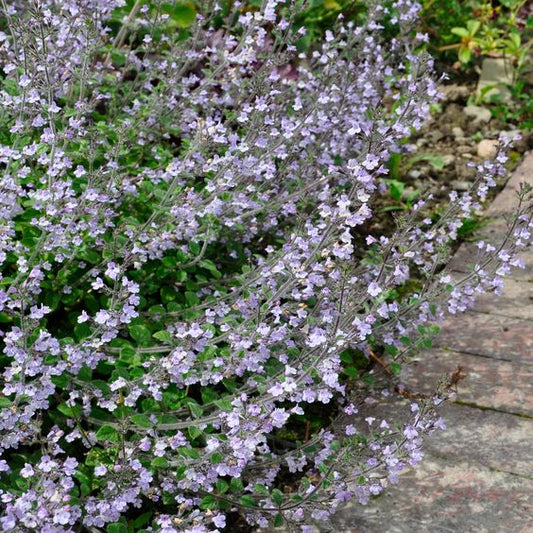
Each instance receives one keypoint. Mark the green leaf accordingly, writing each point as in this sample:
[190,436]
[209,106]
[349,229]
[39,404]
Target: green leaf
[396,189]
[117,527]
[216,458]
[473,26]
[405,340]
[208,395]
[391,350]
[436,161]
[142,520]
[189,452]
[90,256]
[396,368]
[236,484]
[192,298]
[464,55]
[85,489]
[434,329]
[141,334]
[162,335]
[127,354]
[118,59]
[102,385]
[515,39]
[347,356]
[82,331]
[277,497]
[196,410]
[157,310]
[71,412]
[61,381]
[52,300]
[351,372]
[261,489]
[6,402]
[194,432]
[209,265]
[108,433]
[278,520]
[159,462]
[208,502]
[247,501]
[461,32]
[169,262]
[167,295]
[230,384]
[142,421]
[225,405]
[222,486]
[182,13]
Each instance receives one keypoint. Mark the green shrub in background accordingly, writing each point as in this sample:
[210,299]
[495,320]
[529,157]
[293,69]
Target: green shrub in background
[478,28]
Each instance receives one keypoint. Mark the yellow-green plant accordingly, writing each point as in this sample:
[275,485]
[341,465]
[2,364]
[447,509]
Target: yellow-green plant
[492,31]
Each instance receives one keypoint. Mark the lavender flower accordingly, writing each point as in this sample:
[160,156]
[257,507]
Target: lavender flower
[183,277]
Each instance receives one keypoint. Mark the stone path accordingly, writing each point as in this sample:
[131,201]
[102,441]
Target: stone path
[477,476]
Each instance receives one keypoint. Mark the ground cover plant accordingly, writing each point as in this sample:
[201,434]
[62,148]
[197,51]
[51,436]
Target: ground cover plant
[191,300]
[475,30]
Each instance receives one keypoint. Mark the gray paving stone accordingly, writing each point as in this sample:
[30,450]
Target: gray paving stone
[445,496]
[496,74]
[489,335]
[496,214]
[524,274]
[489,383]
[468,253]
[484,438]
[516,301]
[506,200]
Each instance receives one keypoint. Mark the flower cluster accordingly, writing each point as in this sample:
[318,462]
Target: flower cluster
[188,279]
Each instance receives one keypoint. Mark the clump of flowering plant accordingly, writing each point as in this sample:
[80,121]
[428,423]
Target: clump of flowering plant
[186,276]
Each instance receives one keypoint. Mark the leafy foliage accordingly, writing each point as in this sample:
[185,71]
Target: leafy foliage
[192,311]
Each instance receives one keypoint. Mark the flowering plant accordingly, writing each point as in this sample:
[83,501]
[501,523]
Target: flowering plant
[186,274]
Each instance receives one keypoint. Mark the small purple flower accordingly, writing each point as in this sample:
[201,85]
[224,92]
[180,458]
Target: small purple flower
[219,520]
[350,430]
[100,470]
[39,312]
[278,417]
[410,432]
[27,471]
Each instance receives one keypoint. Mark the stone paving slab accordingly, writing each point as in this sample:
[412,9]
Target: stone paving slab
[506,199]
[524,274]
[496,214]
[516,302]
[477,476]
[489,383]
[467,253]
[449,497]
[489,335]
[490,439]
